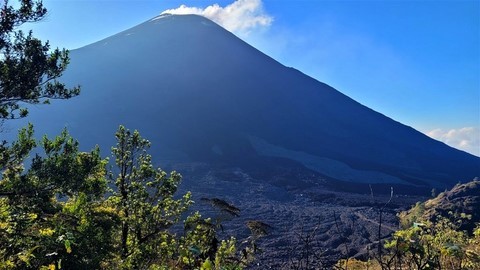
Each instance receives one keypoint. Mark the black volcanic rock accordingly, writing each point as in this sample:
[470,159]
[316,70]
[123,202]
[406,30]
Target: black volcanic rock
[201,94]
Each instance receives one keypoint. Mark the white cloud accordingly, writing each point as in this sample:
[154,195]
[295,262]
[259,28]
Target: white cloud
[467,138]
[240,17]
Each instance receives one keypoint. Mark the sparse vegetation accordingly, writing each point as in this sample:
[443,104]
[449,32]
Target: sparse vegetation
[431,242]
[425,246]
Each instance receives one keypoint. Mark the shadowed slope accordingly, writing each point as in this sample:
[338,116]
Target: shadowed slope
[201,94]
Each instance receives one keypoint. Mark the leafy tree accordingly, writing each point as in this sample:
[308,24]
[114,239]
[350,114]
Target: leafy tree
[28,68]
[59,212]
[52,212]
[47,209]
[144,199]
[149,209]
[472,250]
[438,245]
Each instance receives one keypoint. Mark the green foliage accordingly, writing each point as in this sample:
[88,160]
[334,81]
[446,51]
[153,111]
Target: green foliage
[460,205]
[28,68]
[438,245]
[428,243]
[426,246]
[144,199]
[199,247]
[48,212]
[60,213]
[472,250]
[408,218]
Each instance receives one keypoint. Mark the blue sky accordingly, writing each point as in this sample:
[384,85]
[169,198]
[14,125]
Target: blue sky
[417,62]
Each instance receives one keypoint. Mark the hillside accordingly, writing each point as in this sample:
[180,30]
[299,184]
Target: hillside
[202,95]
[462,202]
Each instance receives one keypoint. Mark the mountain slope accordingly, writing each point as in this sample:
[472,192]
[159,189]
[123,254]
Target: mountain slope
[461,200]
[201,94]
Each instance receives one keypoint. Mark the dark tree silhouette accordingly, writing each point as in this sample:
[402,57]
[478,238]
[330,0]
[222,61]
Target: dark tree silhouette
[28,68]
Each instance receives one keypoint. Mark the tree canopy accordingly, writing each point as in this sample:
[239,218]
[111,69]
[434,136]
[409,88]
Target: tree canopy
[66,210]
[29,69]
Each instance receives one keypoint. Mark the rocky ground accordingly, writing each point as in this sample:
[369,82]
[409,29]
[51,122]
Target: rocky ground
[311,223]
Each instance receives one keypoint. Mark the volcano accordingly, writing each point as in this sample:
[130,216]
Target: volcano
[200,94]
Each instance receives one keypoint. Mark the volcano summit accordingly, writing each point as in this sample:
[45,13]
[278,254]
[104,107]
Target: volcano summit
[201,94]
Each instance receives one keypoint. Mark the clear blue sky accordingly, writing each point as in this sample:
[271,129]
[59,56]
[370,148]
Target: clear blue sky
[417,62]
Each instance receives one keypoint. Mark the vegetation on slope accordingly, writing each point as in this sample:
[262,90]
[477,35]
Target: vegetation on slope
[441,233]
[462,203]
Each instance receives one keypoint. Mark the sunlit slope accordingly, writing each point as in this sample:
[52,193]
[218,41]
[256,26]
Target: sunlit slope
[201,94]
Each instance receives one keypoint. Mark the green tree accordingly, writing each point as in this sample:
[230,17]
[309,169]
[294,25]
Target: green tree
[52,212]
[59,212]
[144,199]
[43,208]
[148,207]
[473,250]
[429,245]
[28,68]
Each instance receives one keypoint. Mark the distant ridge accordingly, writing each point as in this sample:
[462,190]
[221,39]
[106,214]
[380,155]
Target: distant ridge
[201,94]
[461,200]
